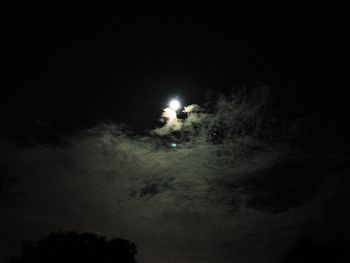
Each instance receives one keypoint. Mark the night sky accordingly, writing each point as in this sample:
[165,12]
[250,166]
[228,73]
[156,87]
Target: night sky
[261,161]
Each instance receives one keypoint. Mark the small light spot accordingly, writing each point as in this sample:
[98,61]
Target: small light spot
[173,145]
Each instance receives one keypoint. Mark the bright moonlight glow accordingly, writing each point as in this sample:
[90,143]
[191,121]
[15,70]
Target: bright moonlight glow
[175,104]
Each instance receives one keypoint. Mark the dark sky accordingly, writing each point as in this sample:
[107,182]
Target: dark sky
[81,63]
[256,168]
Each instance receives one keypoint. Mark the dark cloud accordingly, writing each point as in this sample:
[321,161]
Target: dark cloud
[234,188]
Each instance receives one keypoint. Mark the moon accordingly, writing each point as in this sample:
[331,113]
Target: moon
[174,104]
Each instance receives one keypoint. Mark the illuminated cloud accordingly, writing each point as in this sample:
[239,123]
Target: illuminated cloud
[191,108]
[209,193]
[172,123]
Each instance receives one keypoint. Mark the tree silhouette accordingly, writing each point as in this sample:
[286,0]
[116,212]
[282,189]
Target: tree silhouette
[74,247]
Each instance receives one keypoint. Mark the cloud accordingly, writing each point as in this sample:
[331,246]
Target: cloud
[194,202]
[172,123]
